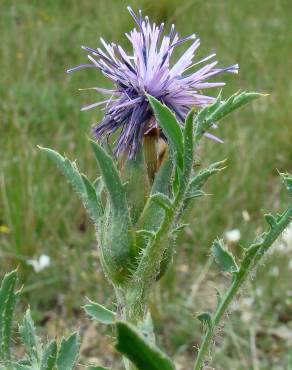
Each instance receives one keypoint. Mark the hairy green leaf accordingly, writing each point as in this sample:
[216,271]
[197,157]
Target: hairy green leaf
[49,356]
[171,128]
[219,109]
[287,181]
[100,313]
[68,169]
[132,170]
[195,194]
[19,366]
[7,305]
[68,352]
[152,214]
[205,318]
[162,200]
[271,220]
[188,137]
[223,257]
[201,178]
[80,183]
[146,234]
[111,179]
[30,339]
[93,201]
[143,354]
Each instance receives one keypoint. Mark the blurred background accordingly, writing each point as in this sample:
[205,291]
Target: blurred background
[43,227]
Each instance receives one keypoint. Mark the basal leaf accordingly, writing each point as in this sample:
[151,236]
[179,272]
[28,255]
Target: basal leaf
[68,352]
[7,305]
[170,127]
[99,313]
[145,355]
[223,257]
[49,356]
[30,339]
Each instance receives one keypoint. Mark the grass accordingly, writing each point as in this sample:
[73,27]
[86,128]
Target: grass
[39,104]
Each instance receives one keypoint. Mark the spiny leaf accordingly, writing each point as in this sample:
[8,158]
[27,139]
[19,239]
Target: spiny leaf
[68,352]
[223,257]
[98,185]
[147,234]
[49,356]
[201,178]
[195,194]
[179,228]
[270,220]
[287,181]
[80,184]
[100,313]
[232,103]
[111,179]
[7,305]
[68,169]
[170,127]
[19,366]
[93,201]
[219,109]
[162,200]
[29,338]
[143,354]
[205,318]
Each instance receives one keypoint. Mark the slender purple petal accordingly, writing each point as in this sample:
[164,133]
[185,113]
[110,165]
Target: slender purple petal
[149,69]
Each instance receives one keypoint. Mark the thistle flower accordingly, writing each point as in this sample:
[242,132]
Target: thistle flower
[148,70]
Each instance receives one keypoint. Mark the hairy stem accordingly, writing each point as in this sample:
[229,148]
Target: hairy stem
[251,259]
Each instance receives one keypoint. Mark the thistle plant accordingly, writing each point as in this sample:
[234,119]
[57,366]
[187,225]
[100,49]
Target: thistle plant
[157,116]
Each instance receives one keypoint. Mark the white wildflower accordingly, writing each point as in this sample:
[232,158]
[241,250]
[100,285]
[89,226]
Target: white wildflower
[40,264]
[233,236]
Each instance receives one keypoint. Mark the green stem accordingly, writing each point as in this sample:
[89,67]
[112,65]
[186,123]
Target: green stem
[208,338]
[251,259]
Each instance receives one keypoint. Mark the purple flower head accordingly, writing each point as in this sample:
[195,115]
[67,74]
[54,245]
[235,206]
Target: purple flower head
[148,70]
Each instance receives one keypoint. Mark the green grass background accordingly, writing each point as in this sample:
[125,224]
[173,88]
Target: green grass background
[40,104]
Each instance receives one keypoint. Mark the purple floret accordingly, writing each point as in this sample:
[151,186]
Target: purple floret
[148,71]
